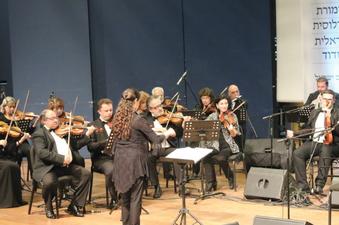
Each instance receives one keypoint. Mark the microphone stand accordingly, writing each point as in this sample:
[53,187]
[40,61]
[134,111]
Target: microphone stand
[187,84]
[270,118]
[287,140]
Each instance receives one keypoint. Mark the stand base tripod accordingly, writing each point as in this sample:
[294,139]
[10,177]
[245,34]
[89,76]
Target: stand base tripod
[182,216]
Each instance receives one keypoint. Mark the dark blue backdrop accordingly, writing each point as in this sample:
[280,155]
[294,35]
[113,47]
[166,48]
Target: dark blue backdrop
[98,48]
[219,42]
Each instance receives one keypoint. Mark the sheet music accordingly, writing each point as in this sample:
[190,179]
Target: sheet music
[188,153]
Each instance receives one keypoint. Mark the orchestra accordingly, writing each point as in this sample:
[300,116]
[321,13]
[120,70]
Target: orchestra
[131,140]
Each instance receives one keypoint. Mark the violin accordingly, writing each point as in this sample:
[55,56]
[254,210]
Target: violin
[169,104]
[19,115]
[14,132]
[176,118]
[76,126]
[228,119]
[328,136]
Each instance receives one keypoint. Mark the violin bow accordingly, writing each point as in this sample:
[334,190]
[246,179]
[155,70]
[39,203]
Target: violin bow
[241,104]
[172,111]
[12,120]
[26,100]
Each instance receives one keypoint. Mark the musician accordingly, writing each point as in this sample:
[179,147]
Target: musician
[142,110]
[53,158]
[159,92]
[56,104]
[131,134]
[206,102]
[100,161]
[319,143]
[222,148]
[10,186]
[315,97]
[22,147]
[235,100]
[155,111]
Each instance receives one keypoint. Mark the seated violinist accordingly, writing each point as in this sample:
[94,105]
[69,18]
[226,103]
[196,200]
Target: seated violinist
[77,141]
[206,102]
[323,144]
[155,112]
[53,158]
[100,161]
[19,138]
[142,109]
[222,148]
[10,183]
[159,92]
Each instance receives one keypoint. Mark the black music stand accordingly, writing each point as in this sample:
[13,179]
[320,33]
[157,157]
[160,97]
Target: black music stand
[196,131]
[301,115]
[192,113]
[182,157]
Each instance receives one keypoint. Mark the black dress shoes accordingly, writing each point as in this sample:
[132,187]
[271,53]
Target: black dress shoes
[50,214]
[75,210]
[157,191]
[318,190]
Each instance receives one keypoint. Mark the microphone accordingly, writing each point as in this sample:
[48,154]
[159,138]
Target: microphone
[182,77]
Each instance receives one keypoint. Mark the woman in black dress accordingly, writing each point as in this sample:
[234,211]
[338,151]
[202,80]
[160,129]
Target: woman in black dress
[131,134]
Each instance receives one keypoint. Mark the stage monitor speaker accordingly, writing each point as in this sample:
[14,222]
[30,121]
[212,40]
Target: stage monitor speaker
[263,220]
[265,183]
[258,153]
[335,199]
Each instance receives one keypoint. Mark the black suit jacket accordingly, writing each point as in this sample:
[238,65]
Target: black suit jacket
[315,94]
[45,153]
[98,141]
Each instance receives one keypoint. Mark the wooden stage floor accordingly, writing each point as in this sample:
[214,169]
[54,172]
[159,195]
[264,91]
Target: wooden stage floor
[213,211]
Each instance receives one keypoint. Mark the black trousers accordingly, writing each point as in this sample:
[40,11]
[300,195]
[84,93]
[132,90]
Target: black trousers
[152,167]
[302,154]
[10,186]
[131,203]
[105,166]
[80,184]
[217,157]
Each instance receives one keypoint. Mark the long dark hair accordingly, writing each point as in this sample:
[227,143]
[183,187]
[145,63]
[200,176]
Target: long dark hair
[123,115]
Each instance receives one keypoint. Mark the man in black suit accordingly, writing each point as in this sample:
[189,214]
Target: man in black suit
[155,110]
[102,162]
[235,99]
[315,97]
[319,145]
[52,159]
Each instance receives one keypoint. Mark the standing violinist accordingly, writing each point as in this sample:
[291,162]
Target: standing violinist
[155,112]
[56,104]
[322,144]
[222,148]
[235,100]
[100,161]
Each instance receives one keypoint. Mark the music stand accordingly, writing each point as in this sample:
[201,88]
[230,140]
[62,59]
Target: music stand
[196,131]
[182,157]
[301,115]
[192,113]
